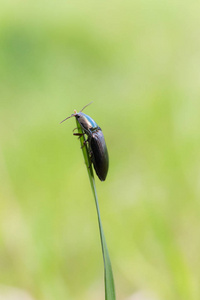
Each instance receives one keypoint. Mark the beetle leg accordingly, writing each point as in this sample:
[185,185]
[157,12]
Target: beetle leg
[90,154]
[90,165]
[84,143]
[78,134]
[74,129]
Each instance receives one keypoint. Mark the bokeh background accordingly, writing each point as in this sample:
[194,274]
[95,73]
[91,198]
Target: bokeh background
[139,62]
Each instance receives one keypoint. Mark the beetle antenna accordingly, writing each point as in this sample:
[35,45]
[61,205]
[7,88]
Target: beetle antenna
[67,118]
[86,106]
[73,115]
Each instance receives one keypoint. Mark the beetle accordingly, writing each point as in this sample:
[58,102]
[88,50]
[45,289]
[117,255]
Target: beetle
[95,140]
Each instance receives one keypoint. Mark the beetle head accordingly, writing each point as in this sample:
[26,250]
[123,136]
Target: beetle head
[75,113]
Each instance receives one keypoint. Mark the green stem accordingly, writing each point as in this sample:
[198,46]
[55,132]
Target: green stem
[108,275]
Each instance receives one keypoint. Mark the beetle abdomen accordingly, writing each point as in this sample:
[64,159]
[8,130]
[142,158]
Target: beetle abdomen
[99,154]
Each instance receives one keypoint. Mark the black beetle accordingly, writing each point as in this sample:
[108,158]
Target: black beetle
[96,142]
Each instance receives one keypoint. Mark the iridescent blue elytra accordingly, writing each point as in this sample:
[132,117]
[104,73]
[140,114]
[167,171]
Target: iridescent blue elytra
[96,142]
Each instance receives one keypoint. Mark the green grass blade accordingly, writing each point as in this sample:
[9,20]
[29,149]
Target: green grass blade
[108,274]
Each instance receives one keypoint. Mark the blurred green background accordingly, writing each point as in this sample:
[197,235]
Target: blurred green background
[139,62]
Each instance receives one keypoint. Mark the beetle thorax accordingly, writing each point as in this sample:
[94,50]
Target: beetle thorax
[86,122]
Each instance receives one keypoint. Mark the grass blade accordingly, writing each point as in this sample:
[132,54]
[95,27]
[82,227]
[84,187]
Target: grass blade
[108,274]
